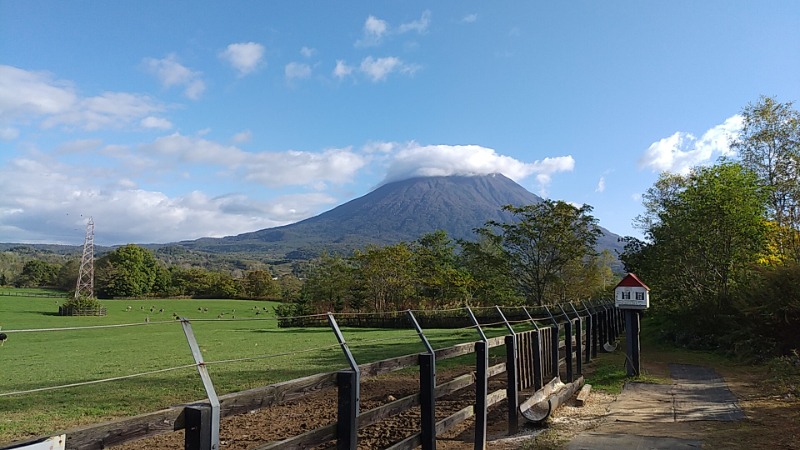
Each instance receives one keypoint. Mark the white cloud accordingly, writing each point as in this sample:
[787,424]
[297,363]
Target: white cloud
[380,68]
[273,169]
[243,136]
[308,52]
[9,133]
[420,26]
[296,70]
[470,18]
[26,95]
[158,123]
[342,69]
[601,185]
[374,31]
[171,73]
[245,57]
[413,160]
[681,151]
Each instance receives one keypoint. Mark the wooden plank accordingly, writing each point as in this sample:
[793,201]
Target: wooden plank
[443,425]
[309,439]
[583,395]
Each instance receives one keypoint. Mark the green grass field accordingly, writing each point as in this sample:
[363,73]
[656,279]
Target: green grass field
[35,360]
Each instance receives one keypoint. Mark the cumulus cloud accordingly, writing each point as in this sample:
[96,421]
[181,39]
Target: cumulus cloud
[9,133]
[469,18]
[373,32]
[171,73]
[26,95]
[601,185]
[681,151]
[243,136]
[296,70]
[245,57]
[420,26]
[414,160]
[308,52]
[47,203]
[273,169]
[378,69]
[342,69]
[157,123]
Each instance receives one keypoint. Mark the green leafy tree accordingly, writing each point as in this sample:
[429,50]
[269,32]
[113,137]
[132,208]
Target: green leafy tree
[488,266]
[386,276]
[328,286]
[541,241]
[37,273]
[68,275]
[439,283]
[769,145]
[128,271]
[705,232]
[259,284]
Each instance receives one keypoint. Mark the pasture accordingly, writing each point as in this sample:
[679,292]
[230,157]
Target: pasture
[241,353]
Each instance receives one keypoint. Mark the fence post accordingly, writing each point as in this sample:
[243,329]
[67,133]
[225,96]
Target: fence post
[481,393]
[205,432]
[512,392]
[349,385]
[567,344]
[588,337]
[197,435]
[537,354]
[554,349]
[578,343]
[347,418]
[427,388]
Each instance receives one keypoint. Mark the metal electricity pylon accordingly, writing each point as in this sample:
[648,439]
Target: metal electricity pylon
[85,285]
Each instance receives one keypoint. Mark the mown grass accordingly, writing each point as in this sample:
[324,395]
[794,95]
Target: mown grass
[36,360]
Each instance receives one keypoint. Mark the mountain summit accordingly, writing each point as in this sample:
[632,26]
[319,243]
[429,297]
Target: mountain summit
[398,211]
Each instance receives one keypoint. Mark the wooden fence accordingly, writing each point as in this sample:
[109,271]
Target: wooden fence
[532,359]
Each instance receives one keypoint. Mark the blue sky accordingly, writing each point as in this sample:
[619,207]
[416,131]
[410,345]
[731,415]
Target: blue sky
[177,120]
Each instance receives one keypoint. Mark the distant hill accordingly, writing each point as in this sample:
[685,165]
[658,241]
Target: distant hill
[398,211]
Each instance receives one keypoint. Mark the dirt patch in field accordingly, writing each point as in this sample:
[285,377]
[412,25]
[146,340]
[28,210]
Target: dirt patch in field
[772,417]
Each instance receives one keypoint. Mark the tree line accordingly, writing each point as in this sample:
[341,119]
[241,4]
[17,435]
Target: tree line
[545,254]
[721,248]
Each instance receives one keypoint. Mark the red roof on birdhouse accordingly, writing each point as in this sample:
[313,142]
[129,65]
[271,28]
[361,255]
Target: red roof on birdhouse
[631,280]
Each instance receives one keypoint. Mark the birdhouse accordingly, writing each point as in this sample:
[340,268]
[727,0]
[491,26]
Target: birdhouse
[632,293]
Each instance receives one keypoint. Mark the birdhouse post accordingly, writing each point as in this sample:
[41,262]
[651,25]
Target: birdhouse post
[632,296]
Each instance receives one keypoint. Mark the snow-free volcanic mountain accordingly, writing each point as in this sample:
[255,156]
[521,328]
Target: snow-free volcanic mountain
[398,211]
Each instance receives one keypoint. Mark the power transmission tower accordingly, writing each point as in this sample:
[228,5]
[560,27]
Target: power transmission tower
[85,285]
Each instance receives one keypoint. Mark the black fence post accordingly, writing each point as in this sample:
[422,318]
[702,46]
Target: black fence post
[512,392]
[595,332]
[481,393]
[198,427]
[554,351]
[568,348]
[427,387]
[537,361]
[578,346]
[589,337]
[347,419]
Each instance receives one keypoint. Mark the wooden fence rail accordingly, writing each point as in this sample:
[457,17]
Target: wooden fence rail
[539,355]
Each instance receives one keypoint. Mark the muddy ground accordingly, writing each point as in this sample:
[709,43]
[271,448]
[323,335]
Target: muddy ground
[772,417]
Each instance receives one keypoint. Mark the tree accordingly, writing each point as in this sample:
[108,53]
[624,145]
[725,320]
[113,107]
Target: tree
[129,271]
[705,231]
[328,283]
[488,266]
[259,284]
[542,240]
[37,273]
[385,275]
[439,282]
[769,145]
